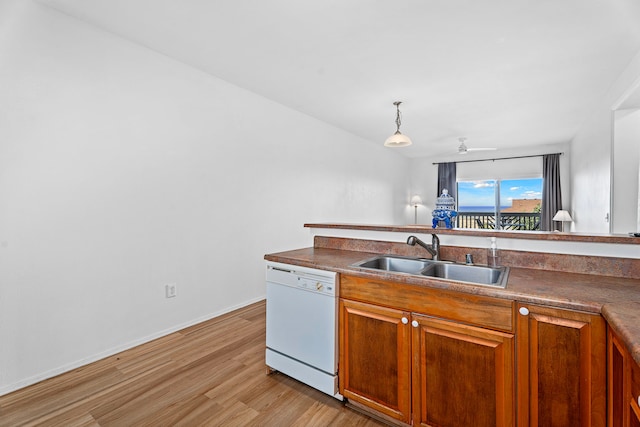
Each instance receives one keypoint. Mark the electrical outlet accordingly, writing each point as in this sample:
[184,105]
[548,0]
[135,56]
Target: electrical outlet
[170,290]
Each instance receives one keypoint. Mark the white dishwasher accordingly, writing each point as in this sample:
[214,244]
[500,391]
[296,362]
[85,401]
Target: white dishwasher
[302,325]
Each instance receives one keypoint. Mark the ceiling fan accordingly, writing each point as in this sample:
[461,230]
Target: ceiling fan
[463,149]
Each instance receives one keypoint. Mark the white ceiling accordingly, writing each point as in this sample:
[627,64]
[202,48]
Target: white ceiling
[503,73]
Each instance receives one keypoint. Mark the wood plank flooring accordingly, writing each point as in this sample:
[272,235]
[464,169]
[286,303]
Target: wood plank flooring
[211,374]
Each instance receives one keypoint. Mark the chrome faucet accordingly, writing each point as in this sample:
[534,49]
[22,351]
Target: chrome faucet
[433,248]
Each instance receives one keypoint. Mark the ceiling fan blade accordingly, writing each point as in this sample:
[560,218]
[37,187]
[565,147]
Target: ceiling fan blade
[481,149]
[463,149]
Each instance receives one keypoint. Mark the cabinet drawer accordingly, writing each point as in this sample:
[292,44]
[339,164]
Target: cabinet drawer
[478,310]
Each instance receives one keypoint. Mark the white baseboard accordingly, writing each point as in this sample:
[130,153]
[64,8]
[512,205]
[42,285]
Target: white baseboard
[6,389]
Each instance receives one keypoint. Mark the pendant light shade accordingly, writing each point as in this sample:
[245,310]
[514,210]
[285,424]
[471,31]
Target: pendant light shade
[397,139]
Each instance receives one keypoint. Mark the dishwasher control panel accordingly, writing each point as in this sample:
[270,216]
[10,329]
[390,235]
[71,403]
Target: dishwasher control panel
[317,285]
[310,279]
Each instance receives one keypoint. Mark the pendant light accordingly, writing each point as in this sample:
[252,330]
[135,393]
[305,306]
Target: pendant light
[397,139]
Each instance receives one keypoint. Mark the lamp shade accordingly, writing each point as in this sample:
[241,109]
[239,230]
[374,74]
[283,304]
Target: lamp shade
[397,140]
[562,216]
[416,200]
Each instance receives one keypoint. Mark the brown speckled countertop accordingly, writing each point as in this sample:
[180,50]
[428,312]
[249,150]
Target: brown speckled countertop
[616,298]
[624,318]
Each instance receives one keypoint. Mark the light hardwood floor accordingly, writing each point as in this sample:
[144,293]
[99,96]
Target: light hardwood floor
[211,374]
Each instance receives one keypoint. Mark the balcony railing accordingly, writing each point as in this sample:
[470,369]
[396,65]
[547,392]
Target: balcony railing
[507,221]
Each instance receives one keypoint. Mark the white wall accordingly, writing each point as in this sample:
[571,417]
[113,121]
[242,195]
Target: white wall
[591,158]
[626,158]
[122,170]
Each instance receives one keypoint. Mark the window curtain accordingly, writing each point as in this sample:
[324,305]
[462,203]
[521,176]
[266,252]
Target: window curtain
[447,179]
[551,194]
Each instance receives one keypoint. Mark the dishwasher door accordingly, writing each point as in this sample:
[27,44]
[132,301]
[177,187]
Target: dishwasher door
[302,325]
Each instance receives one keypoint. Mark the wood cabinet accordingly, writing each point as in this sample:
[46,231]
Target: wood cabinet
[375,358]
[617,377]
[623,385]
[462,374]
[435,357]
[561,367]
[414,367]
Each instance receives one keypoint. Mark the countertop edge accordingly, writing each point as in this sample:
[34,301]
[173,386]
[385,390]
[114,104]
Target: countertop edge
[624,319]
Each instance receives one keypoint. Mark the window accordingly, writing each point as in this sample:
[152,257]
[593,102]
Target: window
[509,204]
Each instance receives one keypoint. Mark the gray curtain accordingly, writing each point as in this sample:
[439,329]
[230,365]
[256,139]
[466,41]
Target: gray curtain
[447,179]
[551,194]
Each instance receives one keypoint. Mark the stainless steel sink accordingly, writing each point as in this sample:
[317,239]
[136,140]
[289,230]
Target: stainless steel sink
[475,274]
[396,263]
[494,276]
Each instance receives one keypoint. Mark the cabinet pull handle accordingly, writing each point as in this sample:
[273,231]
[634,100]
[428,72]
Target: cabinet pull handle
[415,324]
[404,320]
[524,311]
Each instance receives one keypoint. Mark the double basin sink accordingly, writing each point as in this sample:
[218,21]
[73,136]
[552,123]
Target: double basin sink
[470,273]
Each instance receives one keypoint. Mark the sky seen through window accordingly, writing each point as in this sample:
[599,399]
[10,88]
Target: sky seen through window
[481,194]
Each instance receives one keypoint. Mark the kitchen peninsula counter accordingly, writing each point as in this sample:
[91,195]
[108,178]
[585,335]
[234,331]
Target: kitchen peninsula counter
[521,235]
[616,298]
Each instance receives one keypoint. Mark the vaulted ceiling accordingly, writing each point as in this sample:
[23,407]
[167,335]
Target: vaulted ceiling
[501,73]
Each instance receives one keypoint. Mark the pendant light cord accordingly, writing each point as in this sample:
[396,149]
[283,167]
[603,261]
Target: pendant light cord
[398,119]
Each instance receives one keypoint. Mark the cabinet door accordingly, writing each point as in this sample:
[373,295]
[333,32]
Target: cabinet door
[462,375]
[633,394]
[375,358]
[561,374]
[634,411]
[616,381]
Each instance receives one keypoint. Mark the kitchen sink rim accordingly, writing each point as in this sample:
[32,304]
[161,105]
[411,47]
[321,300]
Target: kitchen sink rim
[501,282]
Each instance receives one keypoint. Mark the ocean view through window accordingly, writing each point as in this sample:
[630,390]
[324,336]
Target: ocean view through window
[510,204]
